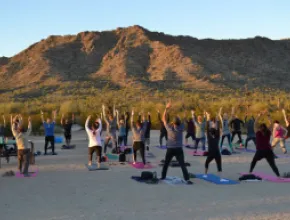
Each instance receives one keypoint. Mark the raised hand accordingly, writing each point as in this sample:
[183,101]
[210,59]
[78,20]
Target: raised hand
[168,105]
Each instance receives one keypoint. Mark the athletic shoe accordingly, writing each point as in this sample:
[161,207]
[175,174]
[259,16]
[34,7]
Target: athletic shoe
[204,176]
[188,182]
[54,154]
[224,180]
[89,163]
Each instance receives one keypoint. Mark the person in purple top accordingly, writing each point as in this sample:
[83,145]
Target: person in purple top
[49,132]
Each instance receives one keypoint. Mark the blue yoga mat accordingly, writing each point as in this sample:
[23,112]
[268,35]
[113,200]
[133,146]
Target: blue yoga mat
[161,147]
[216,179]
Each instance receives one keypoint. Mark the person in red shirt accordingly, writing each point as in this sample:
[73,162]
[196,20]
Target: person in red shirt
[263,146]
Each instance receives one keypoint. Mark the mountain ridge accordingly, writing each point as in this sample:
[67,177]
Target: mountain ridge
[136,57]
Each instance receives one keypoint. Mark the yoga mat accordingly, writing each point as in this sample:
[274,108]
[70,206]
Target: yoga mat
[49,153]
[283,155]
[94,167]
[189,147]
[174,180]
[216,179]
[140,165]
[161,147]
[198,153]
[32,174]
[64,147]
[270,178]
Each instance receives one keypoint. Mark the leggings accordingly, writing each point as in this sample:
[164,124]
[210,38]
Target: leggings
[139,145]
[239,136]
[162,135]
[108,138]
[121,139]
[23,159]
[179,155]
[51,140]
[218,160]
[98,150]
[269,156]
[202,140]
[248,139]
[126,137]
[228,136]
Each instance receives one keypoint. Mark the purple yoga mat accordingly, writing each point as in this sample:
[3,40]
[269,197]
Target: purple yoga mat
[270,177]
[162,147]
[197,153]
[139,165]
[32,174]
[283,155]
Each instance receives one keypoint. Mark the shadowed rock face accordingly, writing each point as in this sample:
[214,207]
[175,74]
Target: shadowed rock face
[136,56]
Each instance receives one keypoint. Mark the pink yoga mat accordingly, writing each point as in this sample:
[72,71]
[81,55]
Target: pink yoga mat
[31,173]
[139,165]
[198,153]
[270,177]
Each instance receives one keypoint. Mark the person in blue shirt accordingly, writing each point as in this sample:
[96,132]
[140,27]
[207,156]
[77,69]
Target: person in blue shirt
[49,132]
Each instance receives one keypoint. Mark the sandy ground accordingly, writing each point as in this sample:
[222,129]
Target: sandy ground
[65,190]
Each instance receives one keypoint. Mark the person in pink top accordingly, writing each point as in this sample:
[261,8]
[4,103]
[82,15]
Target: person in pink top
[263,146]
[279,134]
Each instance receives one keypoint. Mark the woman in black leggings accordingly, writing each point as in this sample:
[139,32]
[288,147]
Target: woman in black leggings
[213,138]
[263,146]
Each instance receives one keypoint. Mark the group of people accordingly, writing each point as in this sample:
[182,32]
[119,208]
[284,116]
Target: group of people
[215,129]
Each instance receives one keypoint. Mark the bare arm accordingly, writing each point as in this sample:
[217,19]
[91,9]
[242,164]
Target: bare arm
[73,118]
[114,110]
[42,117]
[4,120]
[104,114]
[13,128]
[118,123]
[285,117]
[256,126]
[220,114]
[29,129]
[61,120]
[54,116]
[168,106]
[87,123]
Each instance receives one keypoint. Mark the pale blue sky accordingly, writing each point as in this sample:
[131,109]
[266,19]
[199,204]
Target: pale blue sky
[24,22]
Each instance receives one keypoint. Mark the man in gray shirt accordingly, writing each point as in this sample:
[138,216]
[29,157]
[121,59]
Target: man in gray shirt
[174,145]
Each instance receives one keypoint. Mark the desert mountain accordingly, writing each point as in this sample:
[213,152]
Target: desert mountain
[137,57]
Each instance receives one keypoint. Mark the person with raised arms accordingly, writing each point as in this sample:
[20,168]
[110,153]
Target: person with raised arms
[3,147]
[49,132]
[279,134]
[287,121]
[95,142]
[138,131]
[225,127]
[213,137]
[190,131]
[199,130]
[111,124]
[127,122]
[67,125]
[122,130]
[263,146]
[250,130]
[163,131]
[236,127]
[174,144]
[22,141]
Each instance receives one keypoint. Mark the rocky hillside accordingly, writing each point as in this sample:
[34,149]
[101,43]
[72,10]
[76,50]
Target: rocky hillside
[136,57]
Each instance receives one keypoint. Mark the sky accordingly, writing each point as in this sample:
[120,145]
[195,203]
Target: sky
[24,22]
